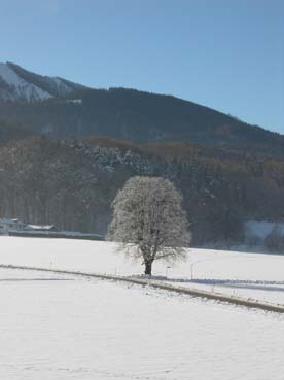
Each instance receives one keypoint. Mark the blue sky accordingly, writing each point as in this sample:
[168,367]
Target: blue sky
[226,54]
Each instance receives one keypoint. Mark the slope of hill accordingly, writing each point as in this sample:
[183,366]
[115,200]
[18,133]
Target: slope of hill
[227,170]
[19,85]
[13,132]
[59,108]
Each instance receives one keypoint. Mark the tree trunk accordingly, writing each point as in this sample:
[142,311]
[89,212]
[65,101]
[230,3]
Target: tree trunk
[148,268]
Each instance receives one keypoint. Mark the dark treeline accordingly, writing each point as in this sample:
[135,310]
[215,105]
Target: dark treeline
[72,183]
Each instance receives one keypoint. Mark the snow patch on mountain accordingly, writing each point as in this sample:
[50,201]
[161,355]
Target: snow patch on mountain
[15,88]
[9,76]
[61,85]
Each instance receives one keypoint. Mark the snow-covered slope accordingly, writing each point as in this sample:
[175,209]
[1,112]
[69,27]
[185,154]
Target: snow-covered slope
[18,84]
[15,88]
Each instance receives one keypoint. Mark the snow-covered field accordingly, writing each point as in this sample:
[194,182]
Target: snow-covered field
[56,327]
[255,276]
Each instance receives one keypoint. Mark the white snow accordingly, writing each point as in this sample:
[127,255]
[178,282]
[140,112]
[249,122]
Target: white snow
[250,275]
[74,101]
[60,327]
[20,89]
[66,328]
[9,76]
[36,227]
[62,87]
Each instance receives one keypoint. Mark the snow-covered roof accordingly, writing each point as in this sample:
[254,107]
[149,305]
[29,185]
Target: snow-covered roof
[9,220]
[41,228]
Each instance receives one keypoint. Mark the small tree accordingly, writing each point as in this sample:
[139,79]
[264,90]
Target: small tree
[149,221]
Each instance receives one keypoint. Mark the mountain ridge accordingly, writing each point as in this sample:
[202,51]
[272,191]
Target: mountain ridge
[22,85]
[60,109]
[64,158]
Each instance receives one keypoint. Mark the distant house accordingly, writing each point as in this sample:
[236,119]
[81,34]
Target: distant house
[36,228]
[15,225]
[10,225]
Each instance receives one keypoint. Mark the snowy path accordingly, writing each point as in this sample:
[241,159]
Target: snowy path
[168,286]
[57,327]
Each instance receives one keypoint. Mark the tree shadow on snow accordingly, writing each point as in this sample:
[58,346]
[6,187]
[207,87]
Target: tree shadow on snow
[238,284]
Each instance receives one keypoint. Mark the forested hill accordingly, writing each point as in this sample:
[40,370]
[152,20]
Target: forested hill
[66,149]
[71,184]
[59,108]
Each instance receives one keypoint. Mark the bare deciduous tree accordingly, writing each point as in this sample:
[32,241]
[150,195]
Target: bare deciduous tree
[149,221]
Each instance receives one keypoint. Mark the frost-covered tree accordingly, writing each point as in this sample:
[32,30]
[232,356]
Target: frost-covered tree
[148,220]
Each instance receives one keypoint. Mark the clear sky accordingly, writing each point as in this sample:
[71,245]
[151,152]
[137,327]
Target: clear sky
[226,54]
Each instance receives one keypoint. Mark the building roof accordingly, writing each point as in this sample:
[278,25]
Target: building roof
[40,228]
